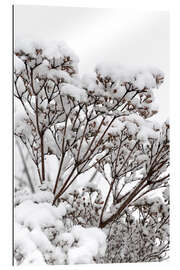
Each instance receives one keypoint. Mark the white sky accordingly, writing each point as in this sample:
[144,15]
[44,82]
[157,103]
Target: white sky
[104,35]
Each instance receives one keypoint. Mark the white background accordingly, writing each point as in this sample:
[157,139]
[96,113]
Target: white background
[6,126]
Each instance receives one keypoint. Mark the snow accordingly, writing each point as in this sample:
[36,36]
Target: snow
[34,258]
[57,49]
[26,247]
[75,92]
[50,49]
[79,256]
[132,128]
[20,88]
[32,220]
[44,71]
[21,233]
[66,238]
[19,66]
[21,126]
[41,237]
[146,133]
[140,76]
[32,243]
[166,194]
[142,128]
[89,80]
[59,75]
[145,79]
[50,144]
[35,215]
[141,158]
[91,242]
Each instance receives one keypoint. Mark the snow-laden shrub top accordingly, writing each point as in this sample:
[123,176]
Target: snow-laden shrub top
[57,53]
[140,77]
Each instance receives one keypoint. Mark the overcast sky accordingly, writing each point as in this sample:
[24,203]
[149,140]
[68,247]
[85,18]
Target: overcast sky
[104,35]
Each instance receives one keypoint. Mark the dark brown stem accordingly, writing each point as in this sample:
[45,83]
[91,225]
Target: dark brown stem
[124,205]
[42,157]
[112,184]
[64,185]
[93,138]
[59,172]
[100,140]
[40,132]
[63,152]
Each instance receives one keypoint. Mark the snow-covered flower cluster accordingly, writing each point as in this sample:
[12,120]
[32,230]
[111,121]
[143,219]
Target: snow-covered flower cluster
[43,237]
[141,234]
[101,121]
